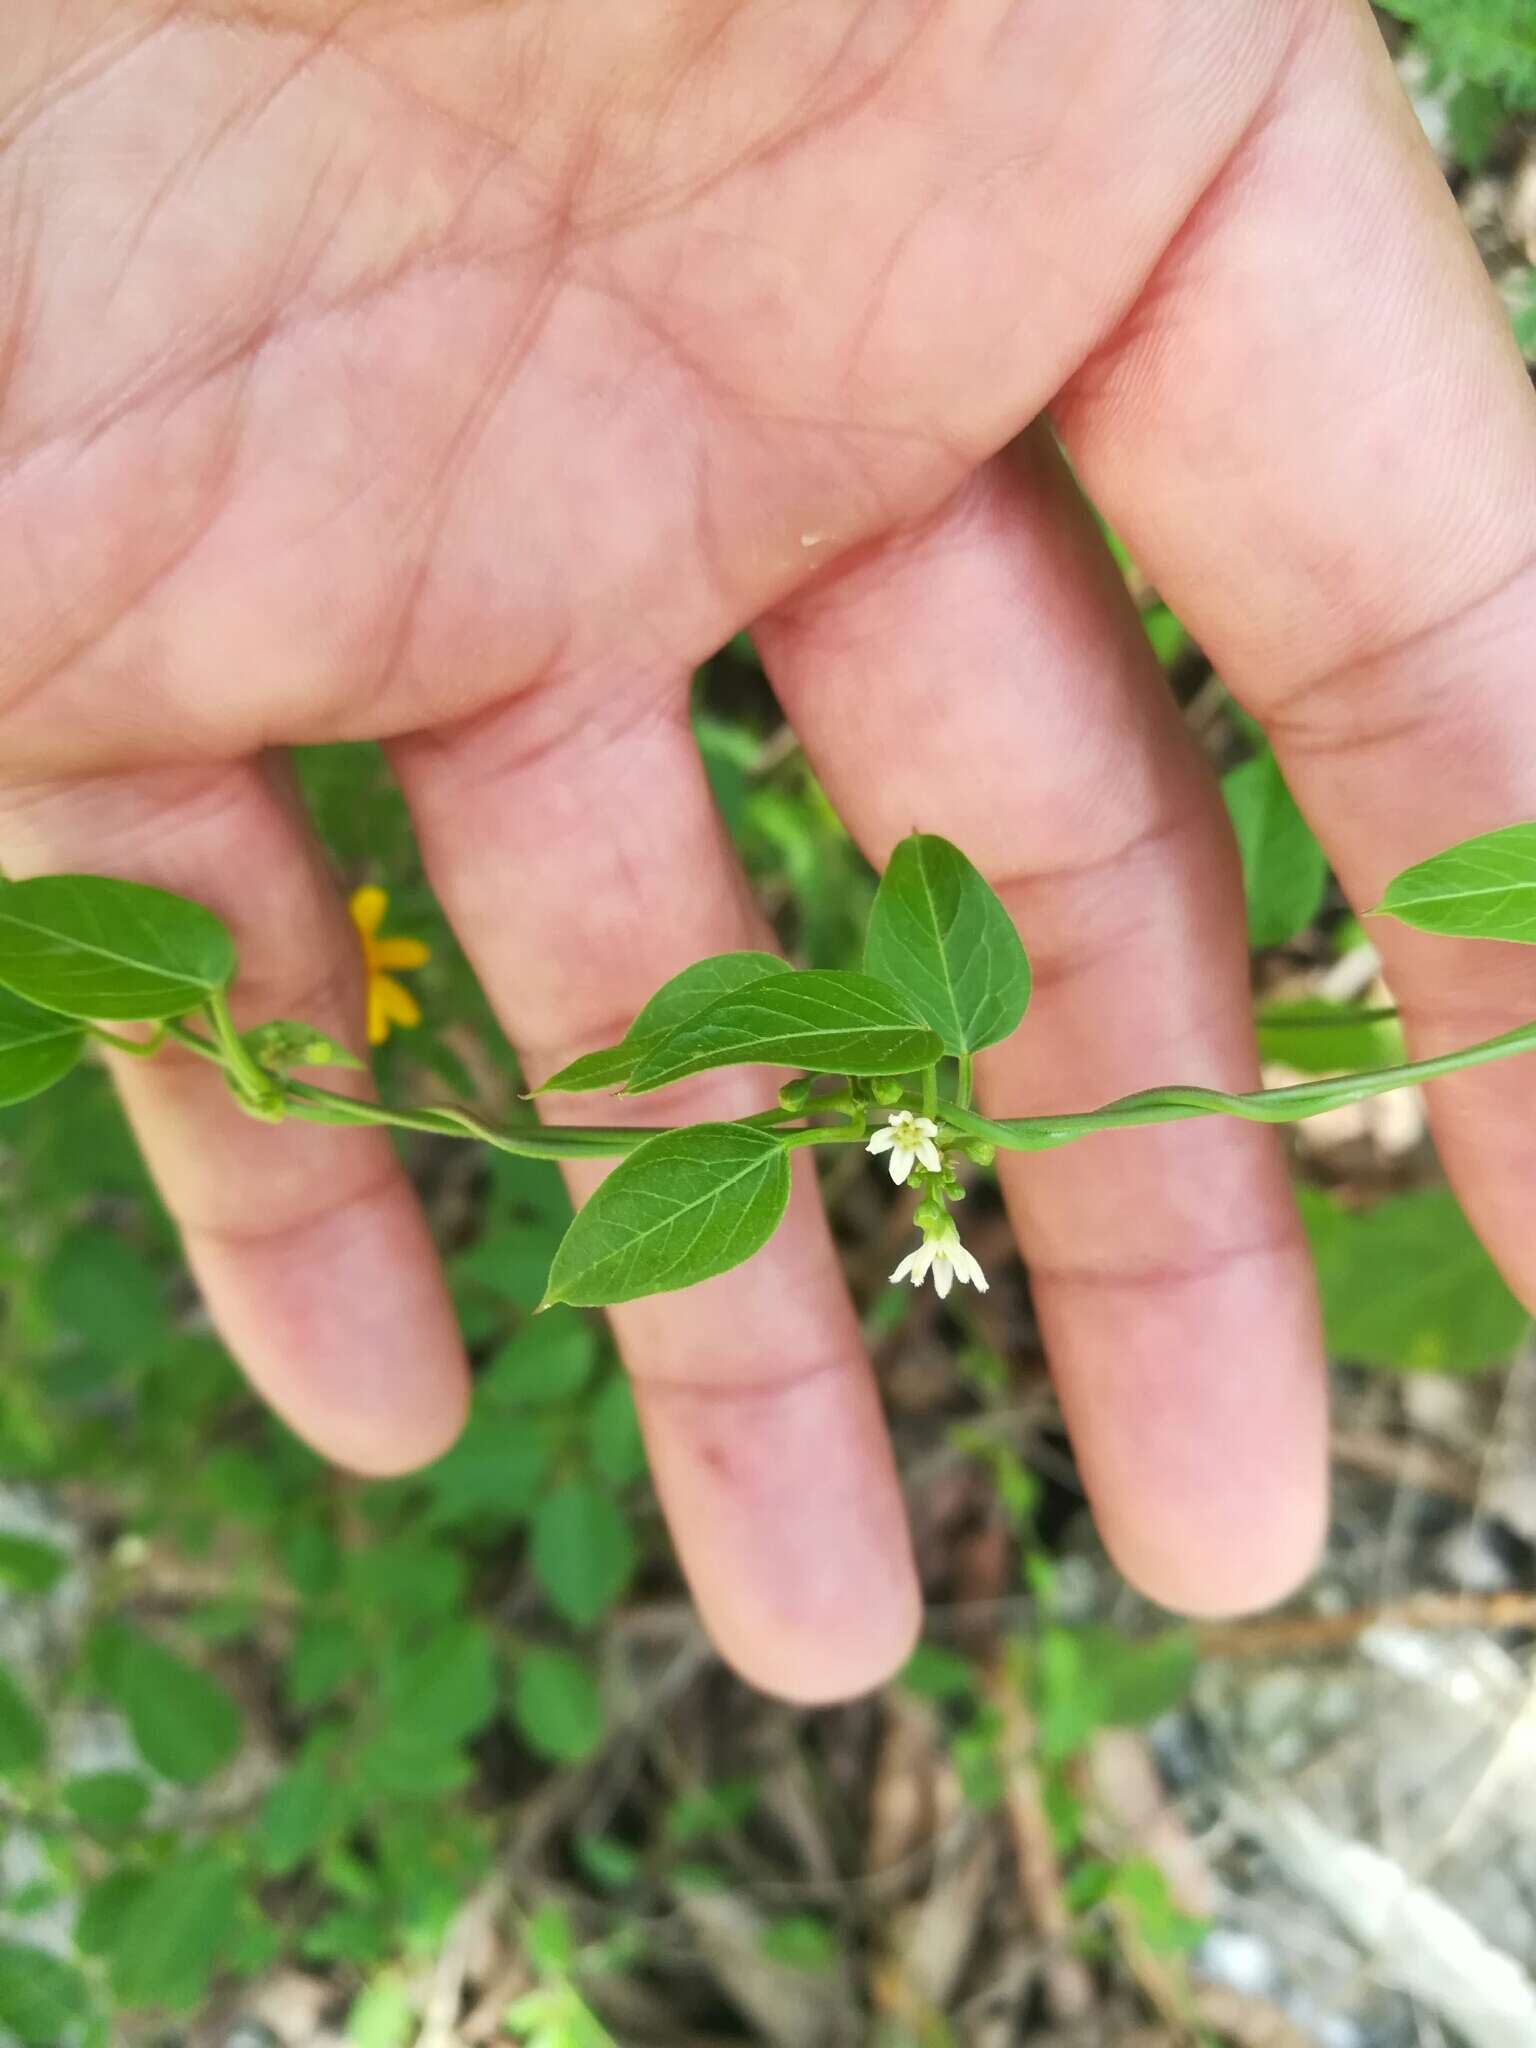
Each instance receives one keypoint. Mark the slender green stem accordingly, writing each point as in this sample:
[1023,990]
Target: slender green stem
[194,1043]
[931,1091]
[823,1134]
[259,1088]
[1264,1105]
[135,1048]
[531,1141]
[963,1082]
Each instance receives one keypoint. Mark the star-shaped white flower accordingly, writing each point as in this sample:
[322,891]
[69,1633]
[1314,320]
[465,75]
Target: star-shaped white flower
[942,1254]
[909,1140]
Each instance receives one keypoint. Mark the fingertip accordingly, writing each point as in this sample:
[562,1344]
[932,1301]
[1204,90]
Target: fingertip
[825,1662]
[790,1527]
[346,1328]
[1216,1572]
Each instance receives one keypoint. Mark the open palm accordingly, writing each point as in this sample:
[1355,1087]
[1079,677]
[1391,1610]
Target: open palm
[462,375]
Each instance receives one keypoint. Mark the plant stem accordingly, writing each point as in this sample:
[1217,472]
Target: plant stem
[963,1082]
[822,1134]
[135,1048]
[1263,1105]
[931,1092]
[259,1088]
[183,1036]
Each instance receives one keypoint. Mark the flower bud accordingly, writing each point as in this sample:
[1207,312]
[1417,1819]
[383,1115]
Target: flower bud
[795,1095]
[886,1091]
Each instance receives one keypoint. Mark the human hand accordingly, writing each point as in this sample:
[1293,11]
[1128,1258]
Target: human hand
[462,376]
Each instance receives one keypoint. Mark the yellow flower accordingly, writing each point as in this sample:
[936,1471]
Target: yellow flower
[389,1001]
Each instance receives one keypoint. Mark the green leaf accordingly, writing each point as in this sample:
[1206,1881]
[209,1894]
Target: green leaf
[283,1044]
[37,1048]
[301,1810]
[939,933]
[28,1565]
[1484,888]
[819,1020]
[23,1738]
[327,1651]
[1162,1924]
[556,1706]
[105,1908]
[551,1940]
[613,1433]
[1407,1285]
[493,1471]
[1285,871]
[1093,1677]
[88,947]
[174,1932]
[683,1206]
[935,1672]
[800,1941]
[545,1365]
[41,1998]
[184,1722]
[1318,1037]
[438,1693]
[712,1810]
[382,2016]
[582,1550]
[673,1003]
[103,1291]
[107,1802]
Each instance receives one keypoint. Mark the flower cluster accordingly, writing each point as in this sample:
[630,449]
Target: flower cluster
[911,1144]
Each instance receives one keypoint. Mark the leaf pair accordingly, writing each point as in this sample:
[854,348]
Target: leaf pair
[944,973]
[74,948]
[947,973]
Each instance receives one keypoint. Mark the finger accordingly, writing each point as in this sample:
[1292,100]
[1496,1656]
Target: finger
[583,864]
[307,1243]
[985,678]
[1332,477]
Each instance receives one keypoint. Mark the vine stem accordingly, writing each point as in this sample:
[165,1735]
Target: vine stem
[1017,1134]
[963,1082]
[1263,1105]
[135,1048]
[260,1089]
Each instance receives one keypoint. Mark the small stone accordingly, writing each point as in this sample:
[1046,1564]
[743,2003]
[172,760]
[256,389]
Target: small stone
[1233,1956]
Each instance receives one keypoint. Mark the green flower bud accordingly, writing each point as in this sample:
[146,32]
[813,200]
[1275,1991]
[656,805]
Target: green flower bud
[930,1215]
[982,1150]
[794,1096]
[886,1091]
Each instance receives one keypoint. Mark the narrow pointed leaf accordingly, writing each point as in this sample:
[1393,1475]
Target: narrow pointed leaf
[37,1048]
[821,1021]
[1485,888]
[684,1206]
[23,1738]
[89,947]
[939,933]
[1316,1036]
[1262,1106]
[673,1003]
[1285,871]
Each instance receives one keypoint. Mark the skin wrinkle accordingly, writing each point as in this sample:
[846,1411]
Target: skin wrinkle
[735,602]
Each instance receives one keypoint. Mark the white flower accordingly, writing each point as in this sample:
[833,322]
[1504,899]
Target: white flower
[909,1140]
[942,1254]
